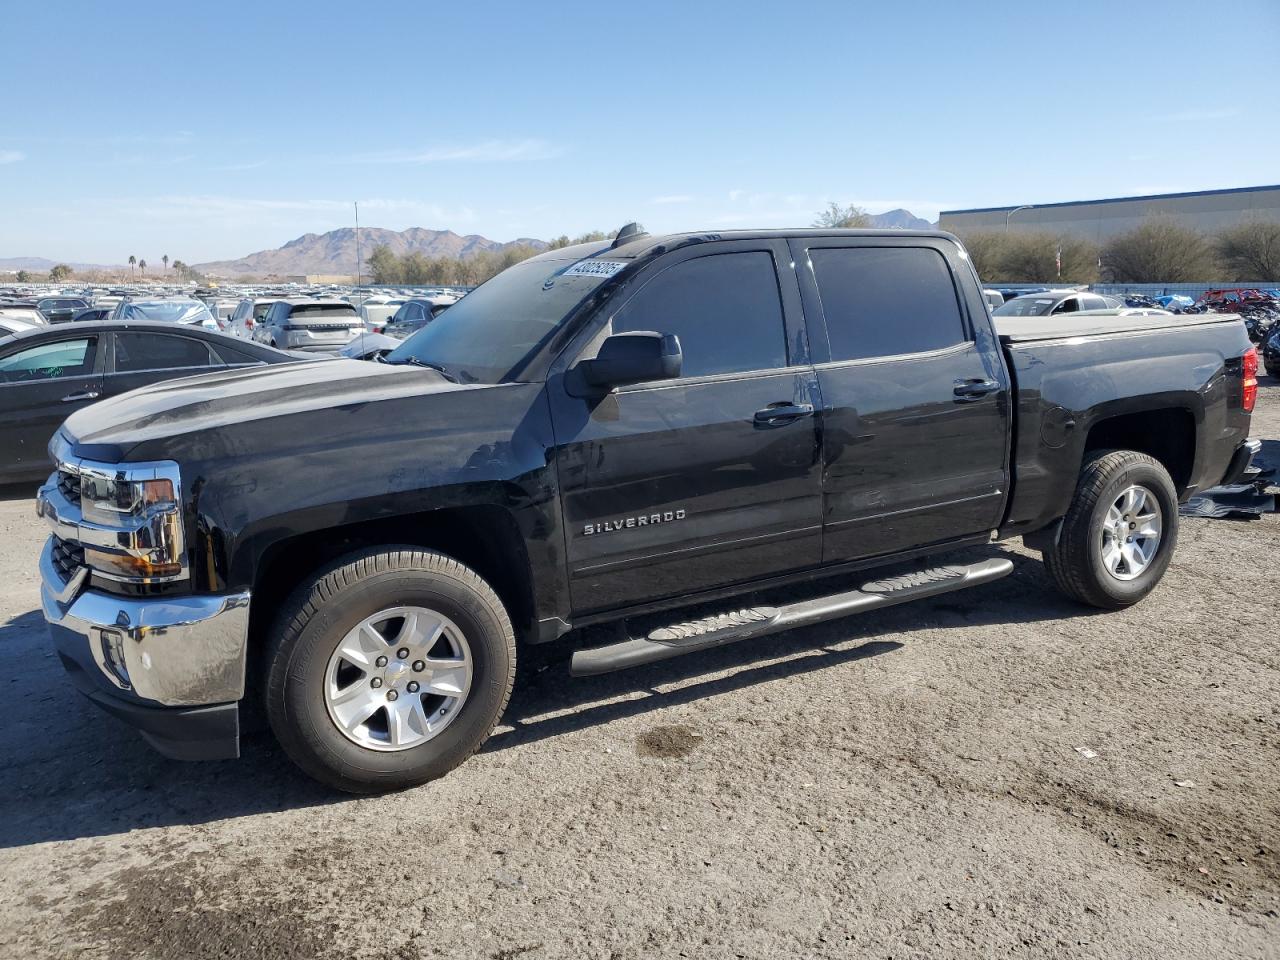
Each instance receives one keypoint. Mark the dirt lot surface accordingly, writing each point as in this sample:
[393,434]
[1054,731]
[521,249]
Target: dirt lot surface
[996,772]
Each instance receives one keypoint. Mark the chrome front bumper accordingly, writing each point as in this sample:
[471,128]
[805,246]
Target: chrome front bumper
[177,651]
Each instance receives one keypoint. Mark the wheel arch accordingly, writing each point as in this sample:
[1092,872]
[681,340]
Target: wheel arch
[1166,434]
[485,538]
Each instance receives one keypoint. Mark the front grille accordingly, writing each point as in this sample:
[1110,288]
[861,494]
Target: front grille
[67,557]
[69,486]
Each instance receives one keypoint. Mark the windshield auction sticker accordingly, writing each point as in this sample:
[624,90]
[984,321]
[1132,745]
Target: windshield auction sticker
[594,268]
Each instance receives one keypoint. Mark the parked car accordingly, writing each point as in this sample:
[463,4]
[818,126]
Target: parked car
[413,315]
[49,372]
[26,314]
[1126,312]
[1271,353]
[60,309]
[611,433]
[11,325]
[994,298]
[304,324]
[89,314]
[1054,302]
[369,346]
[180,310]
[376,313]
[250,312]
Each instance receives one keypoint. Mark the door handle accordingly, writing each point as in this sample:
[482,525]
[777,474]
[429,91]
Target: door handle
[87,395]
[967,391]
[783,412]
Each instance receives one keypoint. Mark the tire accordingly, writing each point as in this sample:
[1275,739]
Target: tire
[1076,560]
[323,615]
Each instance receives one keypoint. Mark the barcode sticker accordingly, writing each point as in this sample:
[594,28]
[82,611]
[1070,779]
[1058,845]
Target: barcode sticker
[594,268]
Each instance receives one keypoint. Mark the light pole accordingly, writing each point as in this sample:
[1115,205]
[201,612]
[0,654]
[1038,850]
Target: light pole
[359,268]
[1025,206]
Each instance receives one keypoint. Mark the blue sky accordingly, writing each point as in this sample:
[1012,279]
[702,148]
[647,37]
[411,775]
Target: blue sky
[208,131]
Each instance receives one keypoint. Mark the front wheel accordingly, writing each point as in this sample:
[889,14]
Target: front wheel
[1120,532]
[389,669]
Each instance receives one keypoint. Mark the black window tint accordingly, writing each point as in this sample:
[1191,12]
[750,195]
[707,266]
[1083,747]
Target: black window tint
[234,355]
[725,309]
[158,351]
[885,301]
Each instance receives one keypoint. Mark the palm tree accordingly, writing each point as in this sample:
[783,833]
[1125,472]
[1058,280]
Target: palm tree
[142,265]
[165,261]
[132,261]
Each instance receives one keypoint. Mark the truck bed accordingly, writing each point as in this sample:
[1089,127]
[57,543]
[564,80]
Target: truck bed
[1031,329]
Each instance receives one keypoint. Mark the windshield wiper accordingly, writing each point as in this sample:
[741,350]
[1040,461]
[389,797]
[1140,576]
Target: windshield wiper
[430,366]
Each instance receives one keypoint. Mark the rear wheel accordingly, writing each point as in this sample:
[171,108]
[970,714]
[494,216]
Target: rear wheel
[1119,534]
[389,669]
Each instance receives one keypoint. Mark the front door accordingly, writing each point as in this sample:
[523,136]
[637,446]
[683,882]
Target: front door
[916,398]
[40,386]
[709,479]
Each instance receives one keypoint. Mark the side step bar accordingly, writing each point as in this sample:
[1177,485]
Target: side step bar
[688,636]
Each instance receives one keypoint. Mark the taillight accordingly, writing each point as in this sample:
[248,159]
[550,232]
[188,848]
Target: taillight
[1249,364]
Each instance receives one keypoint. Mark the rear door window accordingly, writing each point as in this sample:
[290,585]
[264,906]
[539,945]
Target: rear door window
[725,308]
[136,352]
[886,301]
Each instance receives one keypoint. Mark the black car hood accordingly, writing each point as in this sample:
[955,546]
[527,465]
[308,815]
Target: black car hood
[107,430]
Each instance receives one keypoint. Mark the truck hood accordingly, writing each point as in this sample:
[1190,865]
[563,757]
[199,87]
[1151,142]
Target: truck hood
[107,430]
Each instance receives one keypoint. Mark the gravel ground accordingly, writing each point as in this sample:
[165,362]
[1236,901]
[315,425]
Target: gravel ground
[995,772]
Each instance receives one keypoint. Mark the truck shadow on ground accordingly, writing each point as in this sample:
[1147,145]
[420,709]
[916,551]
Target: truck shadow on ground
[74,772]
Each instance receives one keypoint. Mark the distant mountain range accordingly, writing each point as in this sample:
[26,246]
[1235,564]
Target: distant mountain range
[335,252]
[41,265]
[901,220]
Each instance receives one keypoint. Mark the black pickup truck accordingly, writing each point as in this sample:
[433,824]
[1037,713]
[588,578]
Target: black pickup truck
[653,432]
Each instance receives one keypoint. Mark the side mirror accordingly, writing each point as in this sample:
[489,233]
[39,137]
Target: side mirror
[627,358]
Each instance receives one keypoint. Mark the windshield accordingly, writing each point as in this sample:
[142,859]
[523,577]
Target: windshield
[167,311]
[1025,307]
[485,336]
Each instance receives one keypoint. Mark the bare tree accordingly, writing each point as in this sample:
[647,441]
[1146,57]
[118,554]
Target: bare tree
[1251,251]
[1048,258]
[836,217]
[986,250]
[1159,251]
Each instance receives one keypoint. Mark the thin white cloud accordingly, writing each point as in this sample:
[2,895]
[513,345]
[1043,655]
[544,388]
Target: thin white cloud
[11,156]
[196,208]
[672,198]
[486,151]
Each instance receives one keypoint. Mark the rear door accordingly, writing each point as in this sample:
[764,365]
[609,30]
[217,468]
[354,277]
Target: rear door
[40,386]
[144,358]
[712,478]
[916,397]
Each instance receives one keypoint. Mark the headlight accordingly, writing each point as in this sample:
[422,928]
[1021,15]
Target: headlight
[132,521]
[116,500]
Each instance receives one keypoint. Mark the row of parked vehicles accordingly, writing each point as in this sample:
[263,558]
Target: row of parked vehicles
[59,353]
